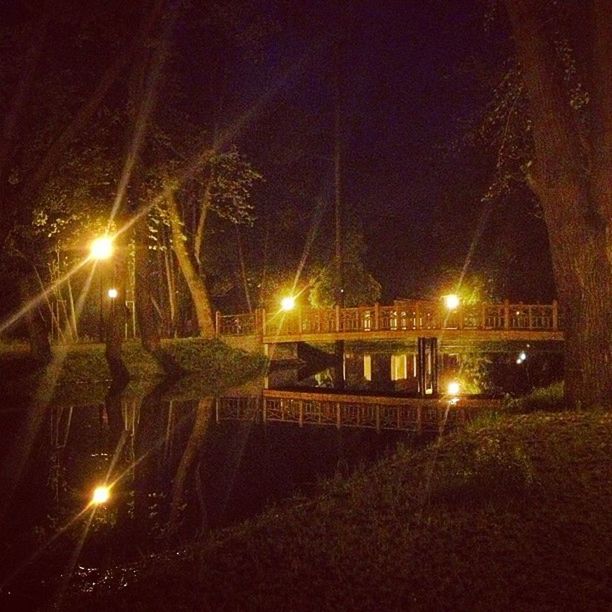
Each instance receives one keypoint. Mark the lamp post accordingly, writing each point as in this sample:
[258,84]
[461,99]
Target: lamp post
[100,250]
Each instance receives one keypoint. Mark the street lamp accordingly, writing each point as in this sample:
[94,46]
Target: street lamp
[113,293]
[100,495]
[451,301]
[101,248]
[453,388]
[288,303]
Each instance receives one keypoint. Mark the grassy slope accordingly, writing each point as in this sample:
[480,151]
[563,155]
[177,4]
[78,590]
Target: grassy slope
[510,514]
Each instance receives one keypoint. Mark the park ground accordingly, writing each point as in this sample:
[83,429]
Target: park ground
[512,513]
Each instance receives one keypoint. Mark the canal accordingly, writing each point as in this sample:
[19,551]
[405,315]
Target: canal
[181,461]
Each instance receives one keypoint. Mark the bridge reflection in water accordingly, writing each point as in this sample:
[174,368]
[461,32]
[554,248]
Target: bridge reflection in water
[349,410]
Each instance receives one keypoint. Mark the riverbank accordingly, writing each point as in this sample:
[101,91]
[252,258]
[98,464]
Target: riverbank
[511,513]
[82,368]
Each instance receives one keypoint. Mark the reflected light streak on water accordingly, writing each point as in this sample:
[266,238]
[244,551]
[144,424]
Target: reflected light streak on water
[69,571]
[14,465]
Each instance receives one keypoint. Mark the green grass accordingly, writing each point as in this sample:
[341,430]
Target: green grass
[513,514]
[542,399]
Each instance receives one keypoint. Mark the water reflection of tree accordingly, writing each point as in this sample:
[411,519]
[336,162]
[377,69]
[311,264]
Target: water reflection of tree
[61,420]
[190,454]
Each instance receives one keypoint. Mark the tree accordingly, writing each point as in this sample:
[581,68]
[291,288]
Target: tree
[222,184]
[360,286]
[571,174]
[51,95]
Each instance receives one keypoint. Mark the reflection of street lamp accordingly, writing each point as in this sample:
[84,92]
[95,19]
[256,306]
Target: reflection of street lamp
[451,301]
[288,303]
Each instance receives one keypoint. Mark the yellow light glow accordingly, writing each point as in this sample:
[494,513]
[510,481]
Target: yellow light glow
[288,303]
[451,301]
[100,495]
[112,293]
[453,388]
[102,247]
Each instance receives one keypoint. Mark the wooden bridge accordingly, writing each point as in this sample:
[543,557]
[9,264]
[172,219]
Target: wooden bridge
[305,408]
[405,320]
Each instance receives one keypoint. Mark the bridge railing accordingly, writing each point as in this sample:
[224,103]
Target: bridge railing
[404,315]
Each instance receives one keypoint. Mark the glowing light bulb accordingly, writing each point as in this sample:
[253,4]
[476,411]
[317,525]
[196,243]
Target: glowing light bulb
[112,293]
[453,388]
[451,301]
[288,303]
[102,247]
[100,495]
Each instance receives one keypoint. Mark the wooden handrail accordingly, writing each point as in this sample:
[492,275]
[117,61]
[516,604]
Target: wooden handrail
[412,315]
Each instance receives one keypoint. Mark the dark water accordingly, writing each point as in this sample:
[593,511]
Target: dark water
[183,462]
[514,371]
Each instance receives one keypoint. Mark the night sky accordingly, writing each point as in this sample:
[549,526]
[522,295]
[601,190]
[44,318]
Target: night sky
[416,81]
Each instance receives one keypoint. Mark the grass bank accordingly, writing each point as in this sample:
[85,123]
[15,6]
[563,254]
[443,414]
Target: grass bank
[512,513]
[84,366]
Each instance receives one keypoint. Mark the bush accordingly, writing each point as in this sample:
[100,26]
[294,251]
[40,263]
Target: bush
[547,399]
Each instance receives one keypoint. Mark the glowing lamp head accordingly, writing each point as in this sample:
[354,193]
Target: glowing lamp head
[100,495]
[453,388]
[288,303]
[101,248]
[112,293]
[451,301]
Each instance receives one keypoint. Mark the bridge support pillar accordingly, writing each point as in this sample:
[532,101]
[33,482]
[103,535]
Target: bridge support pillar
[427,366]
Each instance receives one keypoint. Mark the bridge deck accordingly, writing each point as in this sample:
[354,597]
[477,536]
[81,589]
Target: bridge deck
[406,320]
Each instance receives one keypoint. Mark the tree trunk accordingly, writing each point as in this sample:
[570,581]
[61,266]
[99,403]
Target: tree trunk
[194,444]
[575,204]
[36,323]
[170,285]
[198,239]
[243,274]
[195,282]
[117,317]
[145,313]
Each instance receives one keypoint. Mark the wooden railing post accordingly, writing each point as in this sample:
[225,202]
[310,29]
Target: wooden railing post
[217,323]
[506,314]
[263,321]
[337,318]
[417,316]
[555,315]
[530,317]
[299,320]
[483,315]
[376,316]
